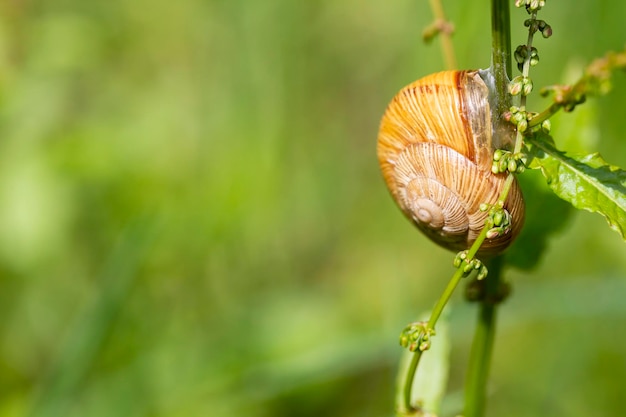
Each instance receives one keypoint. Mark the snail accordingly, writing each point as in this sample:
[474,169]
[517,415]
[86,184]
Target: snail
[435,149]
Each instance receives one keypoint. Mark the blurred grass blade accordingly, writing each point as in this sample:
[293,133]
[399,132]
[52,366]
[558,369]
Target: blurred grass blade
[587,182]
[84,339]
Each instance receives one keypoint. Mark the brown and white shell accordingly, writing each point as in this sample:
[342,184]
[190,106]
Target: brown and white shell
[435,149]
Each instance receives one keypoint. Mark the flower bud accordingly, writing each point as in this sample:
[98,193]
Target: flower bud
[482,274]
[493,233]
[527,86]
[547,31]
[502,164]
[497,218]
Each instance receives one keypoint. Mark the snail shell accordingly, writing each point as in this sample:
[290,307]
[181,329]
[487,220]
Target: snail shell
[435,150]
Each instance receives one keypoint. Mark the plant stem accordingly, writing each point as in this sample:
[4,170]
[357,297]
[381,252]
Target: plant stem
[434,317]
[482,345]
[446,38]
[501,55]
[545,115]
[505,189]
[525,71]
[485,331]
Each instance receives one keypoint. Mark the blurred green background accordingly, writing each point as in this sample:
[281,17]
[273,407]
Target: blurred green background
[193,222]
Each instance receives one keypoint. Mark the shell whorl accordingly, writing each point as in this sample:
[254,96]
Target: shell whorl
[435,152]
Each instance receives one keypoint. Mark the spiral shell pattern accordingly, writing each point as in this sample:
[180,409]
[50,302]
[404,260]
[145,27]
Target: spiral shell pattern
[435,152]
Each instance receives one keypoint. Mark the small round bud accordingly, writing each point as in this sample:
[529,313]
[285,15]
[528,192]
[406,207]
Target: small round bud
[527,86]
[534,61]
[515,88]
[547,31]
[493,233]
[459,258]
[476,264]
[522,125]
[520,54]
[536,5]
[502,164]
[482,274]
[512,166]
[519,117]
[516,85]
[497,218]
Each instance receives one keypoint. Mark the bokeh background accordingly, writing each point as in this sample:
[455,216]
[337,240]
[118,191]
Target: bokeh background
[192,220]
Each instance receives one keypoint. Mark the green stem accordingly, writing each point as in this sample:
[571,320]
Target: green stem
[519,140]
[505,189]
[500,58]
[434,317]
[545,115]
[482,346]
[501,45]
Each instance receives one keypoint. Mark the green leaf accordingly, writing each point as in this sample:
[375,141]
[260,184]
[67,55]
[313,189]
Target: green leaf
[546,216]
[546,213]
[587,182]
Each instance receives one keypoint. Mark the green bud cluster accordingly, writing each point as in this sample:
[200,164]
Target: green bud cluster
[416,336]
[537,25]
[521,118]
[526,56]
[469,265]
[531,5]
[499,220]
[544,28]
[520,85]
[505,161]
[521,54]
